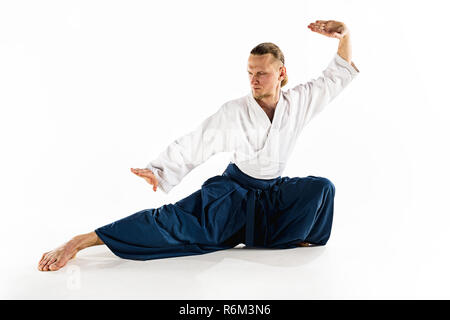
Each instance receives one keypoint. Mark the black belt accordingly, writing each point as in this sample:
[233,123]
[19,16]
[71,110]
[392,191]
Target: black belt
[254,195]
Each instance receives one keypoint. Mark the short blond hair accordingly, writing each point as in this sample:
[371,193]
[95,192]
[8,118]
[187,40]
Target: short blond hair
[274,50]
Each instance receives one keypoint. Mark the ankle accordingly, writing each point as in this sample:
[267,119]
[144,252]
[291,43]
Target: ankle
[83,241]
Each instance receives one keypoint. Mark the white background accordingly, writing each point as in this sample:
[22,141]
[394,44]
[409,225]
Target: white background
[90,89]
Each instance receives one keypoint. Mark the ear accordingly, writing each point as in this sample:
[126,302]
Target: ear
[282,71]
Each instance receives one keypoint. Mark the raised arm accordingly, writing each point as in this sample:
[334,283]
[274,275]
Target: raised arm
[313,96]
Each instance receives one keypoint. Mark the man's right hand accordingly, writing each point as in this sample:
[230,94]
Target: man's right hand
[148,175]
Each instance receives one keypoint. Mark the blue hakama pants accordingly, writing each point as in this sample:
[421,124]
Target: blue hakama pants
[228,210]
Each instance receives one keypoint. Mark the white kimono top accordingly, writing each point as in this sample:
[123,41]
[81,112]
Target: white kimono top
[260,148]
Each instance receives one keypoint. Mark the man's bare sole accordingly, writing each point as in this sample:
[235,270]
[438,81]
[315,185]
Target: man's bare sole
[57,258]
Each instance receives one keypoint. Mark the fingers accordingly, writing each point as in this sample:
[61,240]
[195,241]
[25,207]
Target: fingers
[319,25]
[316,28]
[324,27]
[323,23]
[148,175]
[153,182]
[142,172]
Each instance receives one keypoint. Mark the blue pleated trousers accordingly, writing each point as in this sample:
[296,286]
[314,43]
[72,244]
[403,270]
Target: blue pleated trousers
[228,210]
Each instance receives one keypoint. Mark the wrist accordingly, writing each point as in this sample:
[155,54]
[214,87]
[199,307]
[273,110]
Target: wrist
[346,36]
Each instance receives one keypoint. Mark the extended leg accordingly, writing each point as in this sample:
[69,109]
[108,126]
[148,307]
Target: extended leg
[208,220]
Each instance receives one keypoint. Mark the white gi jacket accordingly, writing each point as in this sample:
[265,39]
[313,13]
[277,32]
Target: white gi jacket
[259,148]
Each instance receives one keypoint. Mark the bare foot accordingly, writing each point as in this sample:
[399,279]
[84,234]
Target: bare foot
[304,244]
[57,258]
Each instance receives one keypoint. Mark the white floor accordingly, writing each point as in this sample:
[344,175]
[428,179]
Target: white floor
[385,244]
[339,270]
[389,241]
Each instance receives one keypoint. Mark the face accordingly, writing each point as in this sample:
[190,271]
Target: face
[265,74]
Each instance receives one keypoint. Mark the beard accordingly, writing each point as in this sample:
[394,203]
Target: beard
[262,96]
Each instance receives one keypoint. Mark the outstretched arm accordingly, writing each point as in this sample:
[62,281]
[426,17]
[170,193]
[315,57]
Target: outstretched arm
[188,152]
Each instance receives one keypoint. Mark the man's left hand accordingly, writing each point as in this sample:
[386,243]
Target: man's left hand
[329,28]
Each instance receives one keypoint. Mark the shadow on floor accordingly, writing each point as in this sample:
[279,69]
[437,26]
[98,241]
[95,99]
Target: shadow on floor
[102,258]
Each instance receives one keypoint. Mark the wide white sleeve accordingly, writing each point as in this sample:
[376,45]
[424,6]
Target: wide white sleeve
[310,98]
[190,150]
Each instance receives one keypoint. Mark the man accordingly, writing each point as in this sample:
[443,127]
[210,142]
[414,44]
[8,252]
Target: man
[250,202]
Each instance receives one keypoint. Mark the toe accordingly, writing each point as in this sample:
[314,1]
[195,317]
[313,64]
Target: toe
[44,262]
[51,261]
[47,262]
[43,258]
[55,266]
[42,267]
[41,264]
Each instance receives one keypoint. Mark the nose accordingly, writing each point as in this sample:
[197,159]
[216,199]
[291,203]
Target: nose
[253,80]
